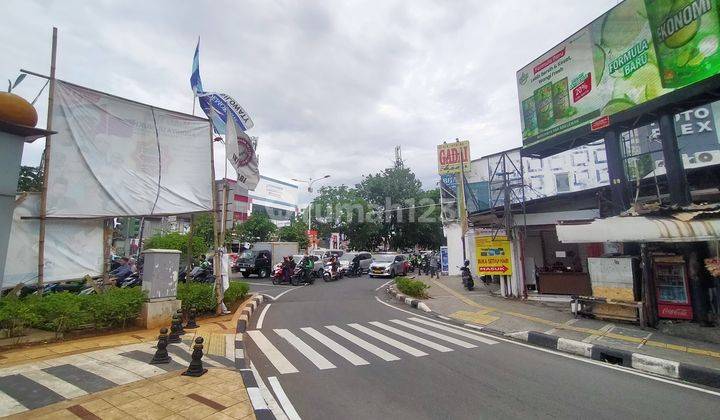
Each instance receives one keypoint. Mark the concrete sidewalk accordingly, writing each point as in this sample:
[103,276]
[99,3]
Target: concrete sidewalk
[448,298]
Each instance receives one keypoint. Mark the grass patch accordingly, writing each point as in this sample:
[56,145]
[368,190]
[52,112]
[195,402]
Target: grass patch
[413,288]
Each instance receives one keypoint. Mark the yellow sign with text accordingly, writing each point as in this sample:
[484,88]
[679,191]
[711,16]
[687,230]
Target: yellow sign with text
[493,255]
[452,155]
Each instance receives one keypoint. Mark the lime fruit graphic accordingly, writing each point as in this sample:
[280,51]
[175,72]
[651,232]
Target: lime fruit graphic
[684,35]
[622,24]
[616,105]
[599,57]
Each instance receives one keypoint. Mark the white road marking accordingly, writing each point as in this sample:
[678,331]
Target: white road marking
[110,372]
[109,356]
[261,318]
[289,290]
[282,364]
[316,358]
[265,399]
[8,405]
[285,403]
[412,337]
[377,351]
[447,338]
[554,330]
[605,329]
[55,384]
[334,346]
[577,358]
[444,317]
[391,341]
[440,326]
[384,284]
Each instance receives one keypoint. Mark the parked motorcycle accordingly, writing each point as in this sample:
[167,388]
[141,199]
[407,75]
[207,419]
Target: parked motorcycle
[467,279]
[203,275]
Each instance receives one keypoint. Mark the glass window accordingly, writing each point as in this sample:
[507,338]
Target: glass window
[562,182]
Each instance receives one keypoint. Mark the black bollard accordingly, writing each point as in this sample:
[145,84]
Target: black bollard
[180,328]
[196,367]
[161,354]
[191,319]
[174,334]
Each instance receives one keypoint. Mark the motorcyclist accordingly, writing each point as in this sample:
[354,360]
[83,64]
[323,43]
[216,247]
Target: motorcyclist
[333,264]
[288,266]
[307,265]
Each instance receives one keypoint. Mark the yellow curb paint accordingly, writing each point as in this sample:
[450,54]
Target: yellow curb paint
[475,317]
[624,337]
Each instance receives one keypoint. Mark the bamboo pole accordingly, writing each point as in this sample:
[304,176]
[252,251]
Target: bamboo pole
[216,240]
[46,169]
[191,232]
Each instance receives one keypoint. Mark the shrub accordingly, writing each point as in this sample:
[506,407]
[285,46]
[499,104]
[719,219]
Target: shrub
[15,315]
[115,306]
[178,241]
[237,291]
[414,288]
[200,296]
[60,312]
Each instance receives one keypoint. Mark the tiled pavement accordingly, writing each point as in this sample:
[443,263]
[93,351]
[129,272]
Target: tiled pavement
[33,385]
[219,394]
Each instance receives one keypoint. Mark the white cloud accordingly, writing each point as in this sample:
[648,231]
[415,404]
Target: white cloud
[332,86]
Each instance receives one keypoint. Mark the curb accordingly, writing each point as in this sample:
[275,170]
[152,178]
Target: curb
[262,412]
[638,361]
[415,303]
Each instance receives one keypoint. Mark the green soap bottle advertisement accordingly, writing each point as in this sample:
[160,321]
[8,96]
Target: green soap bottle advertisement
[686,36]
[561,98]
[544,106]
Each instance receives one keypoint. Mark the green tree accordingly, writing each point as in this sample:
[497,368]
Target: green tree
[295,232]
[30,180]
[203,228]
[257,227]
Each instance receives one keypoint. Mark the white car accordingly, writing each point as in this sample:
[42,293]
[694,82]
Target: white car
[387,265]
[364,258]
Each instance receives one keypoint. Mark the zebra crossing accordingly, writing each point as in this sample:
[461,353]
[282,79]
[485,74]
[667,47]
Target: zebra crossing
[34,385]
[361,344]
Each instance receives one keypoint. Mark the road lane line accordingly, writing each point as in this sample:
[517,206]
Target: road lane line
[283,399]
[264,398]
[333,345]
[384,284]
[440,326]
[282,364]
[447,338]
[261,318]
[391,341]
[316,358]
[377,351]
[288,290]
[412,337]
[577,358]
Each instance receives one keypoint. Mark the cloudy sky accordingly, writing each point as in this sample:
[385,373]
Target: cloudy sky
[332,86]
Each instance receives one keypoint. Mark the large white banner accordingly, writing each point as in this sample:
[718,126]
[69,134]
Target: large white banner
[73,248]
[115,157]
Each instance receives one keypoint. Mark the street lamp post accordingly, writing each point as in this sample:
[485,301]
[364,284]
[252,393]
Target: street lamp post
[310,182]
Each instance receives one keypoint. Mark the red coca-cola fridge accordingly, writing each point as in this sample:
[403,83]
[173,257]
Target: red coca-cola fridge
[673,291]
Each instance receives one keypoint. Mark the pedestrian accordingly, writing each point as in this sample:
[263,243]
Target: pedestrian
[434,272]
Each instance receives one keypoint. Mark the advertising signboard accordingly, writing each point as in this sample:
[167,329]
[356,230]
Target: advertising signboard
[493,255]
[635,54]
[451,154]
[444,260]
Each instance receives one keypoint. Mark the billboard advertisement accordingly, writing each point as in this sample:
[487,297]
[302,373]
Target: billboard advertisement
[635,53]
[451,154]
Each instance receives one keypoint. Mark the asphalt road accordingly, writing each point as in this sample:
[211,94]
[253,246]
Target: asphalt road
[427,371]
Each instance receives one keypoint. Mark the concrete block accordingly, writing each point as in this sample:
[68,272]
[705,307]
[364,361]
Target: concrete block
[423,307]
[610,355]
[158,313]
[543,340]
[520,335]
[699,375]
[655,365]
[575,347]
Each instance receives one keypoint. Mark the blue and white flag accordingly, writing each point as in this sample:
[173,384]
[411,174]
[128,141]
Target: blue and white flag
[195,82]
[217,106]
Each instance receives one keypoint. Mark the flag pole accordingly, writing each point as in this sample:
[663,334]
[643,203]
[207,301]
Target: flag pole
[216,256]
[46,168]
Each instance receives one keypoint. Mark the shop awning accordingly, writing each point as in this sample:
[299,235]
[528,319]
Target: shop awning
[640,229]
